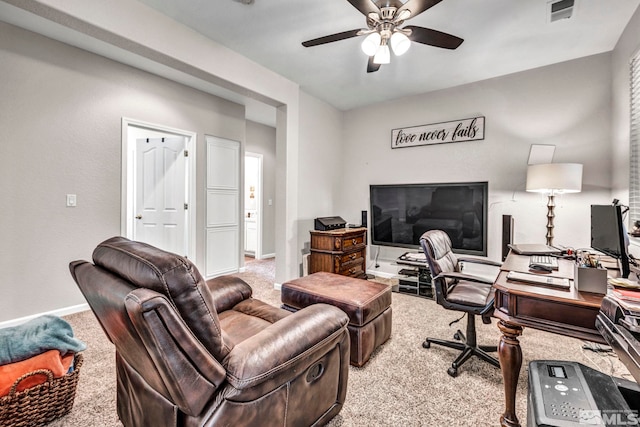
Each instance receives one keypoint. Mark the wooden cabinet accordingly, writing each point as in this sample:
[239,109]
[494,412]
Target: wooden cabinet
[341,251]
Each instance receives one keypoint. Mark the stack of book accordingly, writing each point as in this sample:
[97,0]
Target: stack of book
[622,304]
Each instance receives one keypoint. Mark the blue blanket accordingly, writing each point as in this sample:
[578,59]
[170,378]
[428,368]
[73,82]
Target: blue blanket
[37,336]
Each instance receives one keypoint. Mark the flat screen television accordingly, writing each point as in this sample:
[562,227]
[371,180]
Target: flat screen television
[401,213]
[608,234]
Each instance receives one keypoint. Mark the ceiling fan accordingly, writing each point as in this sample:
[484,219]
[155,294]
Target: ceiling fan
[384,19]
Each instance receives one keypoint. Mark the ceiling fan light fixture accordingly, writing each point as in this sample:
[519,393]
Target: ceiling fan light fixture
[383,55]
[371,43]
[403,14]
[400,43]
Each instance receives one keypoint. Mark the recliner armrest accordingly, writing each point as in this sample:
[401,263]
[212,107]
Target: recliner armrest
[189,372]
[286,348]
[227,291]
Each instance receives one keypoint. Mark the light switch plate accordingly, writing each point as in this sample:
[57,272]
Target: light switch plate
[71,200]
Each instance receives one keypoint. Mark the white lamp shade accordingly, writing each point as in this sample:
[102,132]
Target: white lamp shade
[383,55]
[555,178]
[400,43]
[370,44]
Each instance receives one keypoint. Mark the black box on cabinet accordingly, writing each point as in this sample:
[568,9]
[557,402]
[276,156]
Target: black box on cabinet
[329,223]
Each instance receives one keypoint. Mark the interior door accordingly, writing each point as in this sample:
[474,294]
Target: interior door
[160,193]
[252,204]
[222,226]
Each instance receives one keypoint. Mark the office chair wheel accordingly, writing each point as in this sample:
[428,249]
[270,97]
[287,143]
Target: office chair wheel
[426,344]
[452,371]
[457,336]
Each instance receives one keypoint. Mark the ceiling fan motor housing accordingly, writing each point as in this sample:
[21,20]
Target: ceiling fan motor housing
[384,19]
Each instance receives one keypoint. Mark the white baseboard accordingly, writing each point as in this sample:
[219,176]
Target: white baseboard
[60,312]
[265,256]
[277,286]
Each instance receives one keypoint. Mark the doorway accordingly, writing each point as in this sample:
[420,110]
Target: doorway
[158,182]
[253,204]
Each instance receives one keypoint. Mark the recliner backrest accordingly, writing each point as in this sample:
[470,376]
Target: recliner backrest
[106,294]
[173,276]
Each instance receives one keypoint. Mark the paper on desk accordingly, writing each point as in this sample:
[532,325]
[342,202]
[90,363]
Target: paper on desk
[624,283]
[628,299]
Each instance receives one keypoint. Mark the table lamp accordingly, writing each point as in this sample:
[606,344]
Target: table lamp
[552,179]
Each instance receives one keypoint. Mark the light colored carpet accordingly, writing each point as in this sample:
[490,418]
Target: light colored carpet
[402,385]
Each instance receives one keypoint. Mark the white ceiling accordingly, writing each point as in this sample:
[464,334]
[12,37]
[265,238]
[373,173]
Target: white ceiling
[501,37]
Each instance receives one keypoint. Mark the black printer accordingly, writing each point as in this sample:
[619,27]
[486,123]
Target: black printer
[563,393]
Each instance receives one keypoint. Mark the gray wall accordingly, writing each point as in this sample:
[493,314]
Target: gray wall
[321,160]
[628,45]
[567,105]
[60,115]
[261,139]
[60,119]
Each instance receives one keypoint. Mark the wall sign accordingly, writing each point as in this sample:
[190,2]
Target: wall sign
[439,133]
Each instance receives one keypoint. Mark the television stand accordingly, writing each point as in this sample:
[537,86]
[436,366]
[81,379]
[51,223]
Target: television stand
[414,278]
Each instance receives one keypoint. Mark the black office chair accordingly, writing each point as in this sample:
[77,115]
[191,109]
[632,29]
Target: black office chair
[461,292]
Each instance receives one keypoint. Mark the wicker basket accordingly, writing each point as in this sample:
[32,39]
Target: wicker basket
[40,404]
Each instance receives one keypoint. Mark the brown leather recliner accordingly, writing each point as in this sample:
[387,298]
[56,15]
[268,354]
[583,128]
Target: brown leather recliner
[196,353]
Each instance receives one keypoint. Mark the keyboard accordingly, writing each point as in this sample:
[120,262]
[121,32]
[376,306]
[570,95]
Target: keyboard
[546,260]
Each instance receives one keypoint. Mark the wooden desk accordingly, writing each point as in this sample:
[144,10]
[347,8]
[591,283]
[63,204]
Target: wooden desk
[519,305]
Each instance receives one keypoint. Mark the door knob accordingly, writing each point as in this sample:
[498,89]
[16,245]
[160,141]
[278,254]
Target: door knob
[138,216]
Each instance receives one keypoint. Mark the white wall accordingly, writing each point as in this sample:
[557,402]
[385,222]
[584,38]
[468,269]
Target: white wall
[628,44]
[261,139]
[60,115]
[116,28]
[321,160]
[58,108]
[626,47]
[567,105]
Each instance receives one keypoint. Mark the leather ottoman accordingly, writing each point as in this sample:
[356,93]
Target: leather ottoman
[368,305]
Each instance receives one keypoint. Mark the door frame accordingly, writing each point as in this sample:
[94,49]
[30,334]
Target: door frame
[130,132]
[259,207]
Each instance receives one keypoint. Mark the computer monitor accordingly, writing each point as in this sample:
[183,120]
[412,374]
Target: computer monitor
[608,234]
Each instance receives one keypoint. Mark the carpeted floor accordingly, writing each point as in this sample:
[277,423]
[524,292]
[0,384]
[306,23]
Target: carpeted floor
[402,385]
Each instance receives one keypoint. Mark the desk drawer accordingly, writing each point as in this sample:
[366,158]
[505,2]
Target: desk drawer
[545,314]
[350,242]
[355,268]
[349,257]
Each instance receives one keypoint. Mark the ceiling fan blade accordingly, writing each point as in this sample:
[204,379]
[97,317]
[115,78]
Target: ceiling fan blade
[331,38]
[365,6]
[417,6]
[433,37]
[371,67]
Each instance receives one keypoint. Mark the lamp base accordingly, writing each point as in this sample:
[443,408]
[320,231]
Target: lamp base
[551,204]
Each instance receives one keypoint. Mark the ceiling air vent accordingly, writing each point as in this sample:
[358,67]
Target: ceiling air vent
[560,9]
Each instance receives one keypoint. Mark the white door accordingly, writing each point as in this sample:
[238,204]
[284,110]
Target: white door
[253,204]
[223,207]
[160,193]
[250,237]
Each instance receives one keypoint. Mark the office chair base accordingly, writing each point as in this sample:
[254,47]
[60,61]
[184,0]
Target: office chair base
[467,351]
[467,344]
